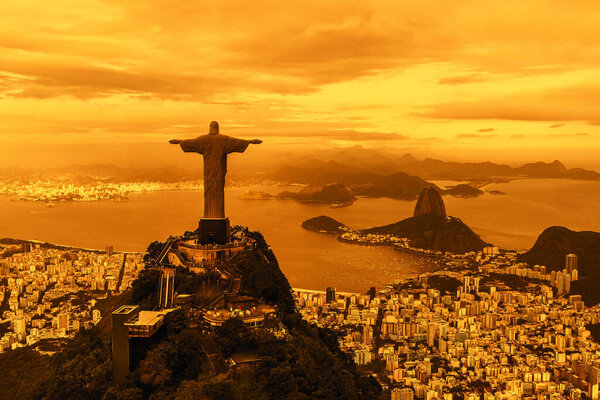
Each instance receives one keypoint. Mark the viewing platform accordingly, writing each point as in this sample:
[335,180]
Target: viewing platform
[252,317]
[189,253]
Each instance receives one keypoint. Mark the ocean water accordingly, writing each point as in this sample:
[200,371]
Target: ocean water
[310,260]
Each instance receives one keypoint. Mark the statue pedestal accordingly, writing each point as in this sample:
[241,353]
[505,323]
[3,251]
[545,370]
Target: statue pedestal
[213,230]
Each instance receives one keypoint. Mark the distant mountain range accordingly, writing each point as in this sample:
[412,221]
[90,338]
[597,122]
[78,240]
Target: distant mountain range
[372,172]
[353,171]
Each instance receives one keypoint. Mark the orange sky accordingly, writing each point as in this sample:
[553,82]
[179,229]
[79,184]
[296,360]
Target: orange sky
[466,80]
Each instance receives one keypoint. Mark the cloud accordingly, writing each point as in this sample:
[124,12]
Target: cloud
[579,134]
[462,79]
[556,125]
[86,81]
[195,49]
[340,134]
[578,102]
[334,72]
[474,136]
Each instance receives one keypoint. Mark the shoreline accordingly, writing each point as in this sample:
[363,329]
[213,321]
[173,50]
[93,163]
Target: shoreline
[7,241]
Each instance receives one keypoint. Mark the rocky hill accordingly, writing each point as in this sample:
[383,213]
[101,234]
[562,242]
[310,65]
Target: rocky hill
[321,193]
[555,242]
[551,248]
[324,224]
[434,232]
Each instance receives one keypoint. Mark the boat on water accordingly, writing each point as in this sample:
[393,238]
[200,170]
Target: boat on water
[340,205]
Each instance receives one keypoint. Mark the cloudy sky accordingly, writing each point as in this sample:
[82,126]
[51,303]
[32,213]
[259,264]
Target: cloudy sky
[467,80]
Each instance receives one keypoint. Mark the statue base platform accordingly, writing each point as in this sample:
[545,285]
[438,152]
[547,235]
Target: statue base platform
[213,230]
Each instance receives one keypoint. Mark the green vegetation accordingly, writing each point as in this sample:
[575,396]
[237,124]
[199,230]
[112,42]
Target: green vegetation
[444,284]
[588,289]
[23,373]
[153,250]
[262,277]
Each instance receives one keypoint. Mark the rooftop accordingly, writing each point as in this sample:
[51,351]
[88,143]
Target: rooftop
[147,318]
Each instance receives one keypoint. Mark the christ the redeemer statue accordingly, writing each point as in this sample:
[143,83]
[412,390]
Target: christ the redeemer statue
[214,147]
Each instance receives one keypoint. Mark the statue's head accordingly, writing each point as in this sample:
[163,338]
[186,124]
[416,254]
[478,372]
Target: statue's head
[214,128]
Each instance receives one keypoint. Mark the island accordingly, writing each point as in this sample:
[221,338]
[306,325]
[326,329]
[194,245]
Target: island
[324,224]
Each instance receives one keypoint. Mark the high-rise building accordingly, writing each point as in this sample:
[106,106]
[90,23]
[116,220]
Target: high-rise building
[120,340]
[403,394]
[594,374]
[19,325]
[62,321]
[467,284]
[489,321]
[362,356]
[431,333]
[96,316]
[571,262]
[109,250]
[330,295]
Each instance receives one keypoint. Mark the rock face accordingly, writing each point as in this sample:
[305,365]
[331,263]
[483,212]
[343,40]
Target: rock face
[324,224]
[430,202]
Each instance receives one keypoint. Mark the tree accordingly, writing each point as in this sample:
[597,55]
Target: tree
[153,250]
[154,369]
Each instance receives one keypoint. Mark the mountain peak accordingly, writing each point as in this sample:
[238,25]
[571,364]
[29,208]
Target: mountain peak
[558,164]
[430,202]
[407,158]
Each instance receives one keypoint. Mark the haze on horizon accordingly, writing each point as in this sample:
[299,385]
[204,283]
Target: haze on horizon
[92,81]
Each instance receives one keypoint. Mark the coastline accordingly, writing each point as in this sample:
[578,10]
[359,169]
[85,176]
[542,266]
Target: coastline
[14,241]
